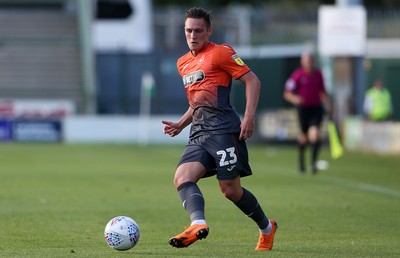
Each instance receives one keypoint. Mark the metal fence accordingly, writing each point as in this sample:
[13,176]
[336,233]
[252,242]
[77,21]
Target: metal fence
[263,25]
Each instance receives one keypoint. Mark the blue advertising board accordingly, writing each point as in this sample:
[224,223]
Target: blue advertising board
[37,131]
[5,130]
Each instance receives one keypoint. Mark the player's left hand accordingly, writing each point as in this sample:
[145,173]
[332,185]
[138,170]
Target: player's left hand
[246,128]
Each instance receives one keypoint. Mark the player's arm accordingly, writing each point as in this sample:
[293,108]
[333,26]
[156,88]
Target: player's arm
[327,103]
[292,98]
[253,86]
[289,94]
[174,128]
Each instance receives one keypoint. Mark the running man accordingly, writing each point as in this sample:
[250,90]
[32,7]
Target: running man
[217,137]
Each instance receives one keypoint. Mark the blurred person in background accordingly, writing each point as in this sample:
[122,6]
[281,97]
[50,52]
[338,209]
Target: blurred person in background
[217,141]
[377,102]
[305,89]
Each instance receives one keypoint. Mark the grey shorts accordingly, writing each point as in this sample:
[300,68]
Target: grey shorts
[223,155]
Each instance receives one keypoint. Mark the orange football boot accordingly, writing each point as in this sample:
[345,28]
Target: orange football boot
[266,242]
[189,236]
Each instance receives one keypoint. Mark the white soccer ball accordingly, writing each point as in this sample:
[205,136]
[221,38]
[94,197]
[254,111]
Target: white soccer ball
[322,165]
[122,233]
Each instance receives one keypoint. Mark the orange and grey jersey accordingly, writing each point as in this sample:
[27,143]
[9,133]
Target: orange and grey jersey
[207,78]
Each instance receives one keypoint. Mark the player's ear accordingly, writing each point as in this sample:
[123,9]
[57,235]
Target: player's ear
[210,31]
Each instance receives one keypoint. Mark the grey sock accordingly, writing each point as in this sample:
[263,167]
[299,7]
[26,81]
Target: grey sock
[192,200]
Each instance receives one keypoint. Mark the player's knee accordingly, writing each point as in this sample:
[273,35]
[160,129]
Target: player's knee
[302,139]
[313,133]
[176,183]
[228,193]
[313,137]
[178,180]
[231,193]
[182,176]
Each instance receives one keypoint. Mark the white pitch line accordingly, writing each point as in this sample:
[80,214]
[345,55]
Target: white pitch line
[366,187]
[337,181]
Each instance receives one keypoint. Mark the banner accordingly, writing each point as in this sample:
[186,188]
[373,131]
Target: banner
[37,131]
[36,108]
[5,131]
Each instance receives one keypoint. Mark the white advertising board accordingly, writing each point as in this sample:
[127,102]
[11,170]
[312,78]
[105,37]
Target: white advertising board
[342,30]
[36,108]
[120,129]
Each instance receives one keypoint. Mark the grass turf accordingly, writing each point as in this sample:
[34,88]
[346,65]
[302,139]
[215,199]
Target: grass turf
[55,201]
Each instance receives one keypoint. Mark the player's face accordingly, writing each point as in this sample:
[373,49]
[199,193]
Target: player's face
[197,34]
[307,62]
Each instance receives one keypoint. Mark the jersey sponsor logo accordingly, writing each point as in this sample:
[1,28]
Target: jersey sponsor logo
[193,77]
[238,60]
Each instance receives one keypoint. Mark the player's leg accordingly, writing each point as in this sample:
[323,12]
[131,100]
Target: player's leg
[249,205]
[186,177]
[244,200]
[302,145]
[314,137]
[231,157]
[302,137]
[188,173]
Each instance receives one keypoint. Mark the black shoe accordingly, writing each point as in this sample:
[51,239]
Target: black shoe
[314,169]
[302,169]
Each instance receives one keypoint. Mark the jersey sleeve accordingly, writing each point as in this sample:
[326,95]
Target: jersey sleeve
[229,61]
[291,84]
[179,65]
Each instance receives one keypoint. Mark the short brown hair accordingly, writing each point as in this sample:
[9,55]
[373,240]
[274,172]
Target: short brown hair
[199,13]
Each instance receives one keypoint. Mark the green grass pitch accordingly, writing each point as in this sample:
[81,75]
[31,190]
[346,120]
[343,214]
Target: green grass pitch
[55,201]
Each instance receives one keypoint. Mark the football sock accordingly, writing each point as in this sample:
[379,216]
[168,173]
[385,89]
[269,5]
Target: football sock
[192,200]
[267,230]
[302,148]
[198,222]
[315,151]
[249,205]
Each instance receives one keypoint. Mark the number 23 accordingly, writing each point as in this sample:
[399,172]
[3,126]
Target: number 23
[223,154]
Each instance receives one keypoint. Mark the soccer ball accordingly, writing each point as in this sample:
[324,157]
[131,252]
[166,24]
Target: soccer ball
[322,164]
[122,233]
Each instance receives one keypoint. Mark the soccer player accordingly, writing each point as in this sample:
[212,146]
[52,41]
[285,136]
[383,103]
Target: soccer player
[305,89]
[217,137]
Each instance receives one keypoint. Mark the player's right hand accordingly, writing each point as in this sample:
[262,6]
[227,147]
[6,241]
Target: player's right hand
[171,128]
